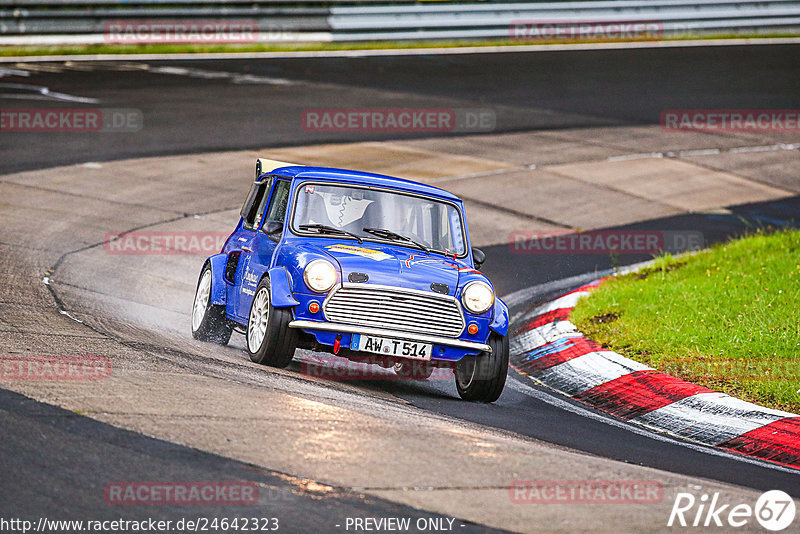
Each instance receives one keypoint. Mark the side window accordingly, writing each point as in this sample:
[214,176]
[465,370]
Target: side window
[254,205]
[456,231]
[280,199]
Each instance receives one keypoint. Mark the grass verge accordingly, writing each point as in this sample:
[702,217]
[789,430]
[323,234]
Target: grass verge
[96,49]
[727,318]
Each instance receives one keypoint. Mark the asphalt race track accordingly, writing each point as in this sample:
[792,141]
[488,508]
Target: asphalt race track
[194,111]
[59,454]
[56,461]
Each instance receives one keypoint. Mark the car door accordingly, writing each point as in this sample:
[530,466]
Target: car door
[258,250]
[242,239]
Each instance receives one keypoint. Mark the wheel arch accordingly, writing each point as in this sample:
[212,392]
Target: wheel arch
[280,288]
[499,322]
[219,291]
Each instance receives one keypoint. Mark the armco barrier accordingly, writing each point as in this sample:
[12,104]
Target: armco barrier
[75,21]
[546,346]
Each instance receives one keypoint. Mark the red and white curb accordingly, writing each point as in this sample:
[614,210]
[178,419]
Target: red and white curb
[547,347]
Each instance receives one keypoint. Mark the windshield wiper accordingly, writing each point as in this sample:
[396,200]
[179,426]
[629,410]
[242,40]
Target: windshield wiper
[383,232]
[325,229]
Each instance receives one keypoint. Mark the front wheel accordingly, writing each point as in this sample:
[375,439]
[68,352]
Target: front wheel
[208,320]
[481,378]
[270,341]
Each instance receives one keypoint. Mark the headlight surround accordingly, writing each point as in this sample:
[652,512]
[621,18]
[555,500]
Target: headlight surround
[320,275]
[477,297]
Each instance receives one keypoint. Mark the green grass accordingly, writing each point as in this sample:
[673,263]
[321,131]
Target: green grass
[35,50]
[727,318]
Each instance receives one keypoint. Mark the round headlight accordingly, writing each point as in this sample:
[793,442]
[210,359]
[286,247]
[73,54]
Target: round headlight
[478,297]
[320,275]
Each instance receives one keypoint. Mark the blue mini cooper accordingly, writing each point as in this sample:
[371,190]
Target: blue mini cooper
[368,267]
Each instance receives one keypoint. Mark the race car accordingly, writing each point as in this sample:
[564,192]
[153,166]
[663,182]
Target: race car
[365,266]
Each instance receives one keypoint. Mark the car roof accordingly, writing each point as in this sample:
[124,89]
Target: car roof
[362,178]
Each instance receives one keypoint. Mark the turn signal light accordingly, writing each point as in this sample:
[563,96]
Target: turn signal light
[313,306]
[472,329]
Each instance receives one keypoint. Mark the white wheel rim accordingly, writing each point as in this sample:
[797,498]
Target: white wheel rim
[471,375]
[201,299]
[259,315]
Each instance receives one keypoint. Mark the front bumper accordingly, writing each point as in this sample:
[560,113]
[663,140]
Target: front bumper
[382,332]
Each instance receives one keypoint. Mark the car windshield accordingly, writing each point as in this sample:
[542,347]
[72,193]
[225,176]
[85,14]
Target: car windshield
[391,216]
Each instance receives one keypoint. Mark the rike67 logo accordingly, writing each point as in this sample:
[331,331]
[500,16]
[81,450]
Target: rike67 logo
[774,510]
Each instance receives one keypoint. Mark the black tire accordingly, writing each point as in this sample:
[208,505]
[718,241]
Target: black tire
[277,345]
[414,370]
[208,320]
[481,378]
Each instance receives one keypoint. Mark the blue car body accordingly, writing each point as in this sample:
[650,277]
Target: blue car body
[259,248]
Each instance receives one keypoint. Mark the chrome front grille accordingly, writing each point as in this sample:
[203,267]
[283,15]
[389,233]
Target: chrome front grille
[394,308]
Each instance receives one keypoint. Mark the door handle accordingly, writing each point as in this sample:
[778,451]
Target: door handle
[247,249]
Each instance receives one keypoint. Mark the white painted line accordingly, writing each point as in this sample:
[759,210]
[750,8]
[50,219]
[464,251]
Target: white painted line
[410,51]
[628,157]
[704,152]
[14,72]
[764,148]
[65,312]
[40,92]
[205,74]
[700,152]
[43,67]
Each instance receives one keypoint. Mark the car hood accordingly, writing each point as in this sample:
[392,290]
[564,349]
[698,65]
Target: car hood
[397,266]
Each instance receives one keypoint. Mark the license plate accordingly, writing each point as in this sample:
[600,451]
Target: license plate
[391,347]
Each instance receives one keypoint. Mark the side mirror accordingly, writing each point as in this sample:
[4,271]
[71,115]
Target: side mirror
[478,257]
[272,228]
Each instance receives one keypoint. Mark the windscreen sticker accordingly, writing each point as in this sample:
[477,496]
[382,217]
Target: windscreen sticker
[376,255]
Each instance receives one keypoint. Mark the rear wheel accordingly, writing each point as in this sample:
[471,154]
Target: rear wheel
[208,320]
[270,341]
[481,378]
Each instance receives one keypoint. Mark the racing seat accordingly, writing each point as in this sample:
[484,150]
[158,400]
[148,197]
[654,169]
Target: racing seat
[373,217]
[315,212]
